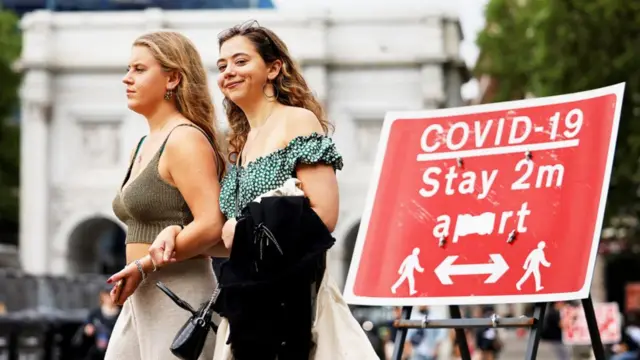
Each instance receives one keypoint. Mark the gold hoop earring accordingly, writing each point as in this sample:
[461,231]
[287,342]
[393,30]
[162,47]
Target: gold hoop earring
[168,94]
[275,90]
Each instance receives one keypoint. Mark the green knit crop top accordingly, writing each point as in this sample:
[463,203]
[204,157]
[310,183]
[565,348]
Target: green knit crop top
[149,204]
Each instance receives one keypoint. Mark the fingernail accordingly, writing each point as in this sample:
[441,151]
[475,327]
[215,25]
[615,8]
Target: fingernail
[109,280]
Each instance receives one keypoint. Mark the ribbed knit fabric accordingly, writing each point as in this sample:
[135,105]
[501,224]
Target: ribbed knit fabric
[149,204]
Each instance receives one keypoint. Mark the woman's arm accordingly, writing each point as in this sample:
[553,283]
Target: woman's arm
[319,181]
[320,185]
[192,167]
[218,250]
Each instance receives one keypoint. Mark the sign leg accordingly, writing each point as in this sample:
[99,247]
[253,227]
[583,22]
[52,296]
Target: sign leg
[461,336]
[536,329]
[592,324]
[401,334]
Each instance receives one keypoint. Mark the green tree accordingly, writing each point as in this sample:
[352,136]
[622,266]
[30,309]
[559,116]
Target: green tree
[10,48]
[551,47]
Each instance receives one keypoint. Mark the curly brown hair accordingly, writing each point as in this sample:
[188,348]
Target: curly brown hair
[289,85]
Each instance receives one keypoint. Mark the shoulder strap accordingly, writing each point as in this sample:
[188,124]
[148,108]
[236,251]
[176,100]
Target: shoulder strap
[187,124]
[164,143]
[135,153]
[238,169]
[132,160]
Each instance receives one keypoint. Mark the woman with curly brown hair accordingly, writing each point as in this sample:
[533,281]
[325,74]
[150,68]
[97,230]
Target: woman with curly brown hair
[278,128]
[278,132]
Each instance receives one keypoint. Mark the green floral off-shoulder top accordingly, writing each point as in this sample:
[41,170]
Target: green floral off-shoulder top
[270,171]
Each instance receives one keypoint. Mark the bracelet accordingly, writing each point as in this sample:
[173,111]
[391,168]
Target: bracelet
[140,269]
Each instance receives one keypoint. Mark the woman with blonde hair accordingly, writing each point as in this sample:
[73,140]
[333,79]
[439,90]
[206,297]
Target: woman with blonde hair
[171,189]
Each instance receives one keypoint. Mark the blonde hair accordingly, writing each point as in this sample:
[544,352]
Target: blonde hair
[175,52]
[289,86]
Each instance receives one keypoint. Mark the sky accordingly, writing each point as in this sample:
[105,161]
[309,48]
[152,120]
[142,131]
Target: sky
[471,13]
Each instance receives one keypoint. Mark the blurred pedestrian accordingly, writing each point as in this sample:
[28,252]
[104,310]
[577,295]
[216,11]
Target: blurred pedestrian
[455,349]
[425,342]
[488,341]
[551,334]
[390,337]
[629,347]
[99,325]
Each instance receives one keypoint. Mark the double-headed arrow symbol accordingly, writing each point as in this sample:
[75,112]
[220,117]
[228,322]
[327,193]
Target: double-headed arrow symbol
[496,268]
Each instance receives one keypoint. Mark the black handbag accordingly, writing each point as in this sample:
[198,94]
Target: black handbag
[190,339]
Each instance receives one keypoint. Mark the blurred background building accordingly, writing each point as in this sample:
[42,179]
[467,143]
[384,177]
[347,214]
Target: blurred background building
[77,131]
[361,57]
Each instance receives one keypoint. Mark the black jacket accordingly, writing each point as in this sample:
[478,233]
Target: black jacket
[277,259]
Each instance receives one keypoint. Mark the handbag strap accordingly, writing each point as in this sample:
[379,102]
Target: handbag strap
[181,303]
[216,292]
[212,299]
[239,171]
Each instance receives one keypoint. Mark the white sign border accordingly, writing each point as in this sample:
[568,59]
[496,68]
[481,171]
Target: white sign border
[392,116]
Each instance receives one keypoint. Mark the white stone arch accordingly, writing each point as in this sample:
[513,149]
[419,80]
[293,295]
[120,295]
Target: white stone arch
[343,247]
[349,243]
[62,239]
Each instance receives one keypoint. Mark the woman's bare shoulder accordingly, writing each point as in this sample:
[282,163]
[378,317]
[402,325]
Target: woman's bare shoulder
[299,121]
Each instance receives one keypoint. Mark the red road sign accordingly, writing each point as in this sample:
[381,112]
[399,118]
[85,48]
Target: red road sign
[576,331]
[497,203]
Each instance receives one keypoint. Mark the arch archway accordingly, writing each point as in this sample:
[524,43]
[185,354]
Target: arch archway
[96,245]
[349,246]
[619,271]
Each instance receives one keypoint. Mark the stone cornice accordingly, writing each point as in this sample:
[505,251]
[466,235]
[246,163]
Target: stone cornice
[100,41]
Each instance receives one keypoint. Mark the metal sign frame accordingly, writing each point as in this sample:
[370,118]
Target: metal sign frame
[534,323]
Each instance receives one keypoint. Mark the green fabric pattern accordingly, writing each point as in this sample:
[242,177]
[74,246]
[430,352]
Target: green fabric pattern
[270,171]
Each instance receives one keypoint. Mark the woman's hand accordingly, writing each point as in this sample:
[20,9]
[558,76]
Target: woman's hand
[127,281]
[162,251]
[89,330]
[228,231]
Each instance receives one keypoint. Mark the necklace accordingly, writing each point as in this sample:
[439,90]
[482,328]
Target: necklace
[139,158]
[239,162]
[255,136]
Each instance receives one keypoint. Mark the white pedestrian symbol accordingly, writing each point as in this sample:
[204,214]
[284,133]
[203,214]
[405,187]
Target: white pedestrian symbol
[532,266]
[410,264]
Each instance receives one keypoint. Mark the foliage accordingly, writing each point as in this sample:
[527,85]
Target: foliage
[551,47]
[10,48]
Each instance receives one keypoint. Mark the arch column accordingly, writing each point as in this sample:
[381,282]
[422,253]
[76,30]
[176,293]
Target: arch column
[34,174]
